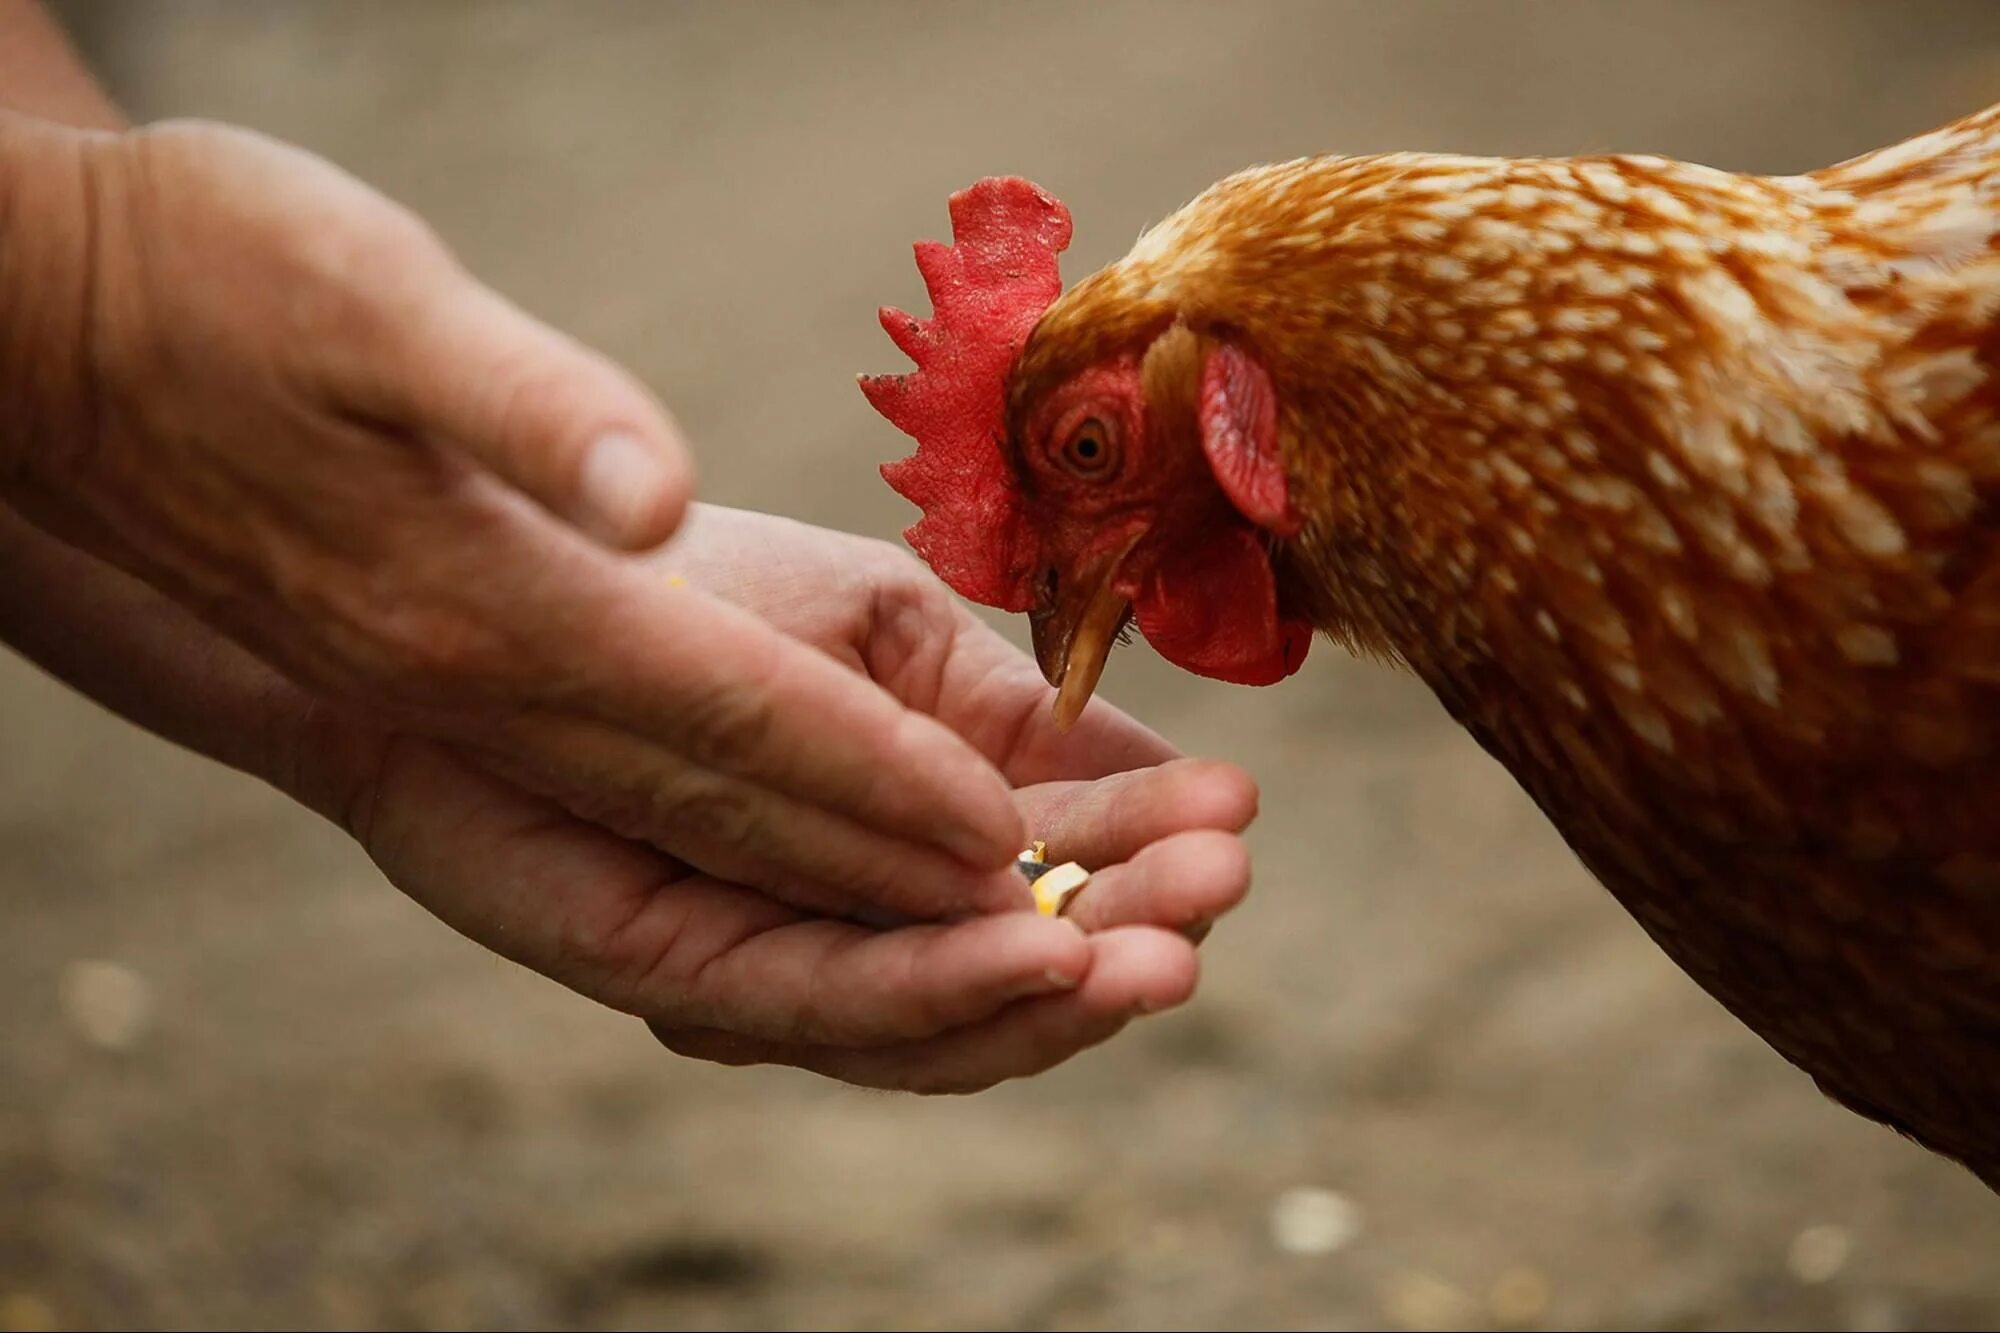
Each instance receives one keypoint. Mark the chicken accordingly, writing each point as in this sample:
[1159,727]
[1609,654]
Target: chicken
[1675,486]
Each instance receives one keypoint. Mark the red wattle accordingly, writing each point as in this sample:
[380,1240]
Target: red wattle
[1213,610]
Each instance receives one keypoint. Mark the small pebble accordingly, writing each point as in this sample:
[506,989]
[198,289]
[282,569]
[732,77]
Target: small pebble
[25,1312]
[1307,1220]
[1520,1297]
[1167,1240]
[1877,1314]
[1422,1301]
[1818,1253]
[108,1004]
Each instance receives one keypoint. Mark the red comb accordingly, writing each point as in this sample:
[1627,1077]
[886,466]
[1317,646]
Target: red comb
[987,290]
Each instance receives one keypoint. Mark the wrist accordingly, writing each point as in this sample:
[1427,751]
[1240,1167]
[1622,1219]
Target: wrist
[121,643]
[48,222]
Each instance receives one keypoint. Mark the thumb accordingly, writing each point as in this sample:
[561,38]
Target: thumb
[557,420]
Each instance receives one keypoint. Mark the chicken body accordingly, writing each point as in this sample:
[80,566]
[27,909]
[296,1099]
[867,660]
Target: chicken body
[1677,487]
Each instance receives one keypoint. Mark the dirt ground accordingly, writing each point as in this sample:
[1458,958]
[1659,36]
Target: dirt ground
[338,1114]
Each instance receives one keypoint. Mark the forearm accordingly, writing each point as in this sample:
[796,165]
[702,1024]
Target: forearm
[42,75]
[46,94]
[145,658]
[106,634]
[45,299]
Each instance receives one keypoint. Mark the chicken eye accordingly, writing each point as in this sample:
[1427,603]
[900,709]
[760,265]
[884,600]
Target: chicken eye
[1088,451]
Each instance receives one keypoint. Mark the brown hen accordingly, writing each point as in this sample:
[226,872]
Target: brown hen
[1676,486]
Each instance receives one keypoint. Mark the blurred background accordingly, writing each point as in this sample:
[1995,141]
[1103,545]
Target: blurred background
[1435,1077]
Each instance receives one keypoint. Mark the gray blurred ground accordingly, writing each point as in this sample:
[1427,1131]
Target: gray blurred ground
[344,1115]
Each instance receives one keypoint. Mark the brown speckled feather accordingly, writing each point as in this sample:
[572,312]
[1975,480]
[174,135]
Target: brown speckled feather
[1677,487]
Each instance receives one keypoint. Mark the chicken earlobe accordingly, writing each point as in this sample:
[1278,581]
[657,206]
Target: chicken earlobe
[1239,433]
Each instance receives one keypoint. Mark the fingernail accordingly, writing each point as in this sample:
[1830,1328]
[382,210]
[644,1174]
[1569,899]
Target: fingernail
[1059,980]
[622,478]
[1148,1005]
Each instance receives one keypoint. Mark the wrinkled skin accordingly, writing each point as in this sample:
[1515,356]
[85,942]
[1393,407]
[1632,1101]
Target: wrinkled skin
[721,971]
[271,411]
[269,392]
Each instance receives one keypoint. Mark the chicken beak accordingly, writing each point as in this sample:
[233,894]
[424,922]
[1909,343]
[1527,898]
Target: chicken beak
[1074,636]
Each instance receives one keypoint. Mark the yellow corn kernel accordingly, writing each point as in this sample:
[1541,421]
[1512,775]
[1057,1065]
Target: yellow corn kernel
[1055,888]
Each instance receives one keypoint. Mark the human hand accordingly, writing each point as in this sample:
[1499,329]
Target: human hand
[285,405]
[743,978]
[721,972]
[724,973]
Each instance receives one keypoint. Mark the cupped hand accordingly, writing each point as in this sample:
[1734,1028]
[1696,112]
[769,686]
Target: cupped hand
[290,409]
[726,973]
[721,971]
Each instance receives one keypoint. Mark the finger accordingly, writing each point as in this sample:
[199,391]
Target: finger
[1134,971]
[740,832]
[821,982]
[507,869]
[1183,883]
[553,418]
[628,928]
[720,687]
[1105,740]
[991,694]
[1101,823]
